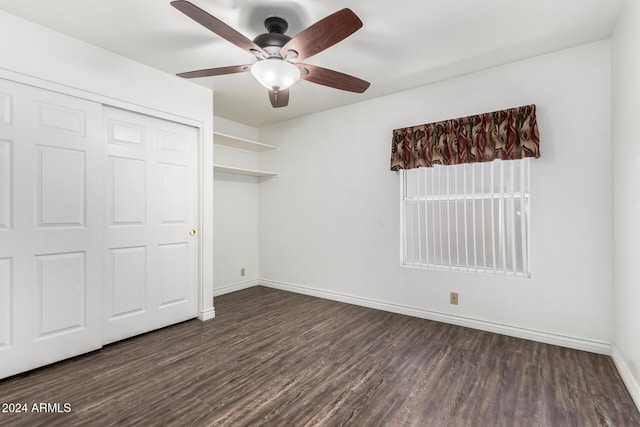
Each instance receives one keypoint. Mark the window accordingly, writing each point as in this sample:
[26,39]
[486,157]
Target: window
[468,217]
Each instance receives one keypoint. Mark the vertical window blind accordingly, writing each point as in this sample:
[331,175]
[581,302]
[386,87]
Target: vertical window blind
[467,217]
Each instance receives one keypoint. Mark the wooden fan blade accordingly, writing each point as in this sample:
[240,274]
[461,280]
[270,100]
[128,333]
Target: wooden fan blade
[280,98]
[217,26]
[331,78]
[323,34]
[215,71]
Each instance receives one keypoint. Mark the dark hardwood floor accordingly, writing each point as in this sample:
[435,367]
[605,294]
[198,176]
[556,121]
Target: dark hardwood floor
[273,358]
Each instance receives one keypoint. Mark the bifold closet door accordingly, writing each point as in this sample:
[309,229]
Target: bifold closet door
[151,252]
[51,227]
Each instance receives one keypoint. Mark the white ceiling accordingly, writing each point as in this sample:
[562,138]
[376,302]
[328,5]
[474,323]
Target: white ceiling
[403,44]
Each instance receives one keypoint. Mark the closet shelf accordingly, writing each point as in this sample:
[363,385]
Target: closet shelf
[242,171]
[241,143]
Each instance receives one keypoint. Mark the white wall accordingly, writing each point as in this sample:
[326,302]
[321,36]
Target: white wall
[235,218]
[626,191]
[329,225]
[32,54]
[32,50]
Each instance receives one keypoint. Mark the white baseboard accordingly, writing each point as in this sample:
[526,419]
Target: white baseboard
[234,287]
[627,377]
[593,346]
[207,314]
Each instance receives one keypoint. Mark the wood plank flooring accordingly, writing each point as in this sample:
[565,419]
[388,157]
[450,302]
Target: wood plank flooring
[273,358]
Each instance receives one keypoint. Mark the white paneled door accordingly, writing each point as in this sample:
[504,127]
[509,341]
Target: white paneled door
[98,214]
[51,239]
[151,236]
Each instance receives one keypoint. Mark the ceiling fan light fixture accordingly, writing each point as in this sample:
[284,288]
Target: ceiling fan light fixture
[275,73]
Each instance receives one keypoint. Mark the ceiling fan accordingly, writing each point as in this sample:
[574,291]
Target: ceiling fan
[278,54]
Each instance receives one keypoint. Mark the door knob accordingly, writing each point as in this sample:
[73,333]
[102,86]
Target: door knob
[192,232]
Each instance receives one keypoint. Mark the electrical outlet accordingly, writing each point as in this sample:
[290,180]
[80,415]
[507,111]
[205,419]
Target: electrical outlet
[453,298]
[242,272]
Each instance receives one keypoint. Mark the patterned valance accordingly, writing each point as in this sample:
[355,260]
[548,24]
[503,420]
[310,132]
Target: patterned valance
[506,135]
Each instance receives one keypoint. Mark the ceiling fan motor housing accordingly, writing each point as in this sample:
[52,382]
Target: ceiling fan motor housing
[273,41]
